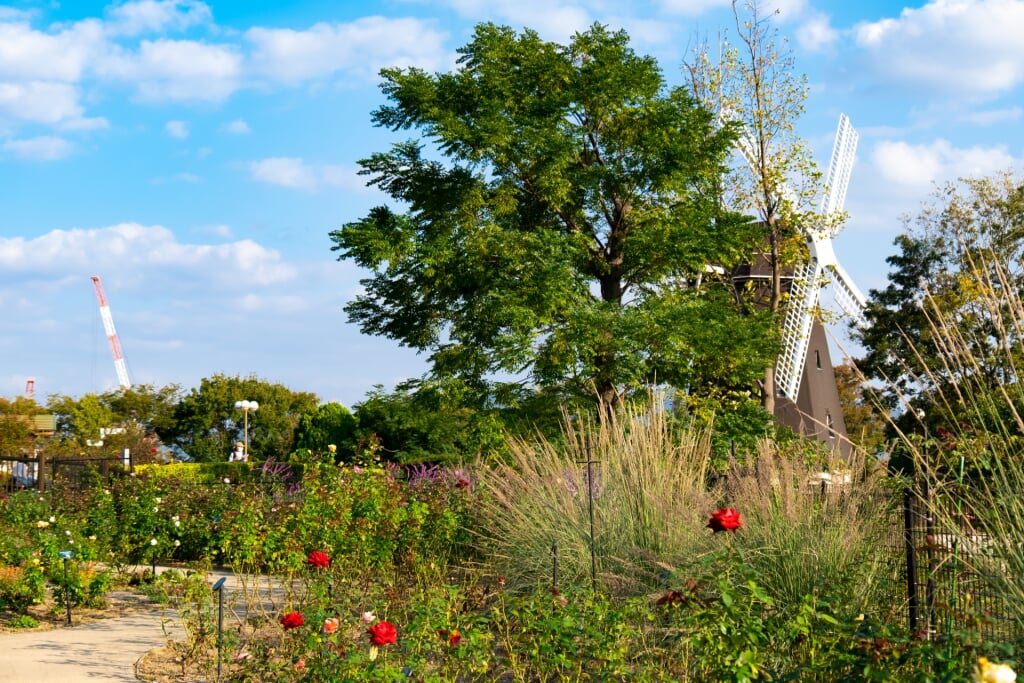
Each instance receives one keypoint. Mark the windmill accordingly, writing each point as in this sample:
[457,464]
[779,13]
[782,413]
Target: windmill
[808,399]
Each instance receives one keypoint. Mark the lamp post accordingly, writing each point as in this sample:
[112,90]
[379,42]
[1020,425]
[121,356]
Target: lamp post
[246,407]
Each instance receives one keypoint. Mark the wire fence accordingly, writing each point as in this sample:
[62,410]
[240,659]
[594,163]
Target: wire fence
[943,593]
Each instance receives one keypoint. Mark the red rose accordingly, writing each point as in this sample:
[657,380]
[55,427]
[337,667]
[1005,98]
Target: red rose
[383,633]
[725,519]
[331,624]
[454,638]
[319,560]
[291,620]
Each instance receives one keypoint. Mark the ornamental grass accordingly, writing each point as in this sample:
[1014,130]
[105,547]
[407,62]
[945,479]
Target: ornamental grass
[649,495]
[970,470]
[814,527]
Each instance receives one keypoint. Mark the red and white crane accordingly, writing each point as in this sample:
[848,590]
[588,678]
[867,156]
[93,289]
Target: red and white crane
[115,344]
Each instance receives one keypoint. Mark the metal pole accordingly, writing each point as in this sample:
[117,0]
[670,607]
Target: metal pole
[554,565]
[908,541]
[590,503]
[219,589]
[67,593]
[220,629]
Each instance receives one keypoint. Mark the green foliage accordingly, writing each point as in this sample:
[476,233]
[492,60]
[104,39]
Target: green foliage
[563,238]
[22,621]
[207,424]
[81,419]
[186,473]
[425,422]
[331,424]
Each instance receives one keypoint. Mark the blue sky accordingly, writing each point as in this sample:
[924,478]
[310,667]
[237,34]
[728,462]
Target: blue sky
[195,156]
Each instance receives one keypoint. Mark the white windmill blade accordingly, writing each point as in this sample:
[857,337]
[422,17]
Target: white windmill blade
[844,150]
[796,327]
[848,295]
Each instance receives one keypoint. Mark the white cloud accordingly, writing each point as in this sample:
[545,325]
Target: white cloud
[298,174]
[28,54]
[284,171]
[816,33]
[994,116]
[692,7]
[188,178]
[84,124]
[919,166]
[557,20]
[39,102]
[360,48]
[277,304]
[42,148]
[177,129]
[959,46]
[177,69]
[237,127]
[154,16]
[131,248]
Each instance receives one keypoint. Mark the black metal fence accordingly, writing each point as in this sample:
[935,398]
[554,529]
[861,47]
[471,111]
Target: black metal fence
[944,593]
[41,473]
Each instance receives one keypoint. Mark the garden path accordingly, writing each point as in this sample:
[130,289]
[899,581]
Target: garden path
[98,651]
[94,652]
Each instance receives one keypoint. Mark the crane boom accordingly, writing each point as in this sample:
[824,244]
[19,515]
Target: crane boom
[108,326]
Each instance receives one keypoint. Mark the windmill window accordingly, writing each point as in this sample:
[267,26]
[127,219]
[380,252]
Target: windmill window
[817,359]
[828,423]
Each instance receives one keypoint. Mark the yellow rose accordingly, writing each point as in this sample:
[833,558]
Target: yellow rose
[990,672]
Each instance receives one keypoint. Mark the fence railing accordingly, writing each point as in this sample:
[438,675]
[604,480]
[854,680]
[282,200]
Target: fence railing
[39,472]
[941,587]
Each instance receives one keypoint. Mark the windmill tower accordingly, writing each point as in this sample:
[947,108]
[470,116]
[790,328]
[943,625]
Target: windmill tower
[808,399]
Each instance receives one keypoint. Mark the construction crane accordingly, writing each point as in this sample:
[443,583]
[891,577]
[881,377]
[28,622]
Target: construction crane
[115,345]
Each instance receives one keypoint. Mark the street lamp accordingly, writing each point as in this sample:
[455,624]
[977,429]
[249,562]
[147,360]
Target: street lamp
[245,407]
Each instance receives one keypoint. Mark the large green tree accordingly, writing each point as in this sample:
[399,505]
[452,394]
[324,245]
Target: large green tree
[560,228]
[206,422]
[943,338]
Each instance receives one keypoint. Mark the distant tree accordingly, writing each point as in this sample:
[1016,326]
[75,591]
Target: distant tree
[206,422]
[15,429]
[109,423]
[421,422]
[559,234]
[756,85]
[955,283]
[329,424]
[866,425]
[81,419]
[148,407]
[970,226]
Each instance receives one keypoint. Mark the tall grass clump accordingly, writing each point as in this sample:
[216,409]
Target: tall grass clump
[971,458]
[813,528]
[648,481]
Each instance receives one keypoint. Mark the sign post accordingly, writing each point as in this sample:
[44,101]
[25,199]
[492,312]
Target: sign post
[219,589]
[66,555]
